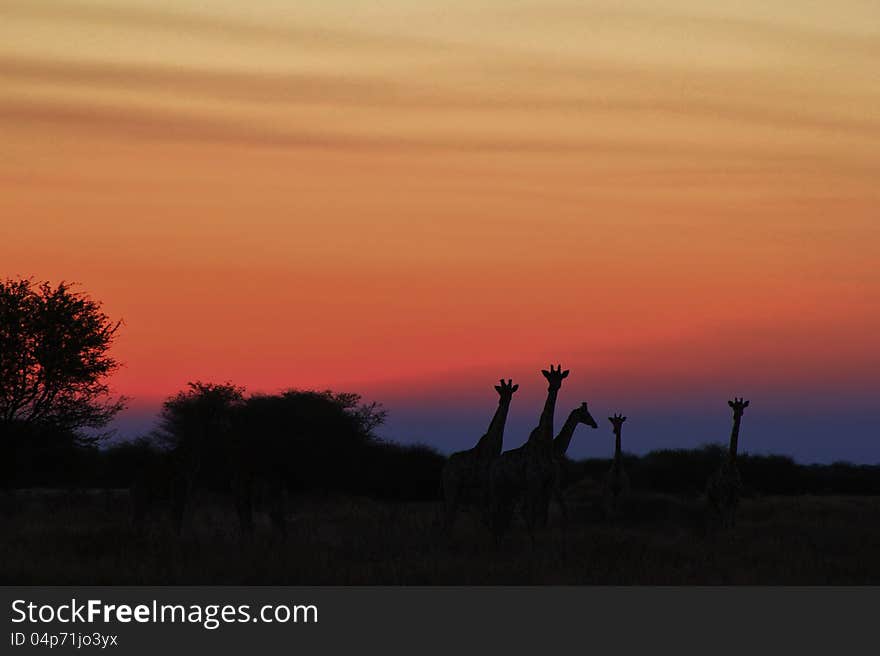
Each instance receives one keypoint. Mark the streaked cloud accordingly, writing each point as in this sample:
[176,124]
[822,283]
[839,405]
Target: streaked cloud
[352,91]
[200,24]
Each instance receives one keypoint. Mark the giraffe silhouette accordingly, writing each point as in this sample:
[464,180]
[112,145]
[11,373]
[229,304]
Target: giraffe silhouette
[528,471]
[466,473]
[580,415]
[724,487]
[616,480]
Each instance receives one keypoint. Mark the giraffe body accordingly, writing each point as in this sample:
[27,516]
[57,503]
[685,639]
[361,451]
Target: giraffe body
[465,480]
[615,491]
[724,487]
[527,474]
[723,492]
[523,475]
[465,477]
[580,415]
[616,485]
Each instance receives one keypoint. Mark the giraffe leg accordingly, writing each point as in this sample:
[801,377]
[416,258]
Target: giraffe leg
[544,509]
[279,521]
[547,499]
[533,511]
[716,519]
[608,503]
[563,512]
[451,494]
[731,519]
[502,505]
[138,500]
[243,491]
[486,504]
[497,520]
[181,492]
[531,518]
[277,506]
[485,512]
[563,506]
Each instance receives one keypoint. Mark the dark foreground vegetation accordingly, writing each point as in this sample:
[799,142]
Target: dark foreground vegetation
[817,524]
[386,471]
[85,538]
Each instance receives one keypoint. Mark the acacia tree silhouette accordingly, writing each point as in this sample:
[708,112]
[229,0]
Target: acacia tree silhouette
[54,365]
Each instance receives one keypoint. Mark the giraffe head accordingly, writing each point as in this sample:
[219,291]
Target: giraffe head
[584,417]
[506,390]
[738,405]
[555,376]
[617,422]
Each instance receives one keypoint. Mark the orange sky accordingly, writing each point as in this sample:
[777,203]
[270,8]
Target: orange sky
[397,195]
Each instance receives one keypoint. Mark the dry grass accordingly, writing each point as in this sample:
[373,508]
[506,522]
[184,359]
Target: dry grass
[85,538]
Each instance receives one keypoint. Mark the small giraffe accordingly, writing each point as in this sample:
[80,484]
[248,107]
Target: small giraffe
[467,472]
[527,472]
[725,485]
[580,415]
[616,480]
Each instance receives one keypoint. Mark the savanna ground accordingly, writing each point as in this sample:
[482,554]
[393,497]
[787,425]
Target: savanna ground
[52,537]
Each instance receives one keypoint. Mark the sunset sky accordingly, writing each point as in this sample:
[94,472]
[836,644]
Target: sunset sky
[676,199]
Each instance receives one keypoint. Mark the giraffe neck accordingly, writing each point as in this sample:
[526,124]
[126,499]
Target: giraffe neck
[544,431]
[492,442]
[734,439]
[563,440]
[618,457]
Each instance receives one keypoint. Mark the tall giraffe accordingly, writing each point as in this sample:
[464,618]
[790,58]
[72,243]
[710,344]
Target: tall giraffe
[528,471]
[580,415]
[725,485]
[467,472]
[616,480]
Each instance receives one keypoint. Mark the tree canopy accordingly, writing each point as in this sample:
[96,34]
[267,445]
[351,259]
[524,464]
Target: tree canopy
[54,359]
[309,438]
